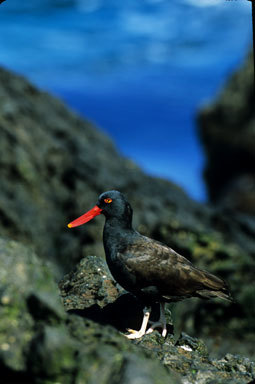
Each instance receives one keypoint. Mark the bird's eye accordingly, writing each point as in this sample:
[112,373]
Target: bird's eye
[108,201]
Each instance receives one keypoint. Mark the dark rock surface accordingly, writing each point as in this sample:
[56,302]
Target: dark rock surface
[90,291]
[90,284]
[187,356]
[40,343]
[227,130]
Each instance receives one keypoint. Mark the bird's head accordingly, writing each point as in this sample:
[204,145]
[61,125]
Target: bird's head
[112,204]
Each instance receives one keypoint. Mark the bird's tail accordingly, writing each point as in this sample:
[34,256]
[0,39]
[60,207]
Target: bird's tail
[214,287]
[208,294]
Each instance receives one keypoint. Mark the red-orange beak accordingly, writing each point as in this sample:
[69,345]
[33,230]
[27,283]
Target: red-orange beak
[86,217]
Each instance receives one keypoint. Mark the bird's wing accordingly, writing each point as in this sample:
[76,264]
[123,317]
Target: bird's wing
[155,264]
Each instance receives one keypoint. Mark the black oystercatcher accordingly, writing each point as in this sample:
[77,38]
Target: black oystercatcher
[147,268]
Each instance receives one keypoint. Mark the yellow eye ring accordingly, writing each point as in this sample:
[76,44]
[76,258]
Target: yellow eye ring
[108,201]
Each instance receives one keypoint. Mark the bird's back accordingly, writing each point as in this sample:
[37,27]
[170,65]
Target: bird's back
[156,268]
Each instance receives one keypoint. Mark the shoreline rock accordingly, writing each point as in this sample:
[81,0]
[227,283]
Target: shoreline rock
[41,344]
[187,356]
[53,167]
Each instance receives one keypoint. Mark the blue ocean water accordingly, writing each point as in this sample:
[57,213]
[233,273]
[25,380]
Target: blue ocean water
[138,69]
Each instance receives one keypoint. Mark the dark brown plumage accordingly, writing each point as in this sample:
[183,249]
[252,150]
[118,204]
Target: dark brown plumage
[155,264]
[145,267]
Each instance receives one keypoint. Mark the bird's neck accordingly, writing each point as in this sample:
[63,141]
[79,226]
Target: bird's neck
[118,223]
[116,233]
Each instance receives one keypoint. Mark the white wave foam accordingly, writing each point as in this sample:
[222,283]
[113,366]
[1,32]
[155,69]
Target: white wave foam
[204,3]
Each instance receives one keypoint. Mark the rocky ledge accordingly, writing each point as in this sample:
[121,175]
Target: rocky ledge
[90,292]
[41,343]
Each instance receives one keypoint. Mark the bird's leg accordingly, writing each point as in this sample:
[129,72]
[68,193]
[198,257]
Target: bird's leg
[160,323]
[137,334]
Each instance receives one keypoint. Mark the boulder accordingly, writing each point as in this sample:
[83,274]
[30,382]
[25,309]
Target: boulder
[227,131]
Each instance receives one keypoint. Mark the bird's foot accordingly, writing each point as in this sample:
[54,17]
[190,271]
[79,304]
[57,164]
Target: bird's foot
[157,324]
[135,334]
[161,323]
[138,334]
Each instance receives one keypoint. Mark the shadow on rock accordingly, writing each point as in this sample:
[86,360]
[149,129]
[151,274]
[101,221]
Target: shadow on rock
[125,312]
[90,291]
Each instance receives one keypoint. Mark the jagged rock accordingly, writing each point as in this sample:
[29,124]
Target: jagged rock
[89,284]
[187,356]
[40,343]
[89,290]
[227,130]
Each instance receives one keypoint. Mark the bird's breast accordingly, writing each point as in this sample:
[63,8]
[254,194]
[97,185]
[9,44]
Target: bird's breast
[120,271]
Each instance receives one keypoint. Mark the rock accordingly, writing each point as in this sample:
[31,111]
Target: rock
[40,343]
[89,290]
[227,130]
[90,283]
[187,356]
[53,354]
[26,287]
[115,357]
[53,167]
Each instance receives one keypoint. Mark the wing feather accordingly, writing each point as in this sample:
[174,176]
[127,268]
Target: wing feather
[155,264]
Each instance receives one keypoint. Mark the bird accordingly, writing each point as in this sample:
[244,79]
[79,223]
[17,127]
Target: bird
[148,269]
